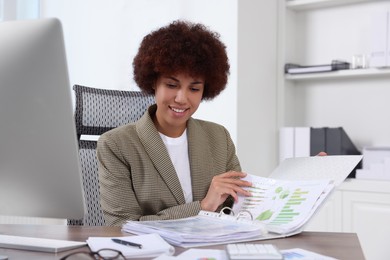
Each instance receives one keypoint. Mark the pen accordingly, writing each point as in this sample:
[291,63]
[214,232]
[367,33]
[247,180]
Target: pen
[126,243]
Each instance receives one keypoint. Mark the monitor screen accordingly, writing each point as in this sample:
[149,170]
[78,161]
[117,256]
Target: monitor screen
[39,163]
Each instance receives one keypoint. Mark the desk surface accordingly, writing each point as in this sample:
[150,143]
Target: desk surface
[338,245]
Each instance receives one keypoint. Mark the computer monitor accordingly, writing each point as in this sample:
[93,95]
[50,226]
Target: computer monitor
[40,173]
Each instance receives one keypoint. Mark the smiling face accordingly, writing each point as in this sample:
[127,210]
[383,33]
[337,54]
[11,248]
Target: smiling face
[177,98]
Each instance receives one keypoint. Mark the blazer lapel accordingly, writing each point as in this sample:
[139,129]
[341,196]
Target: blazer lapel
[201,159]
[158,153]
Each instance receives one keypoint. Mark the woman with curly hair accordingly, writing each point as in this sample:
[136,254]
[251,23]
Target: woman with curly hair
[169,165]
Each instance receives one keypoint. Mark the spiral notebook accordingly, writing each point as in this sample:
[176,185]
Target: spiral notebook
[279,206]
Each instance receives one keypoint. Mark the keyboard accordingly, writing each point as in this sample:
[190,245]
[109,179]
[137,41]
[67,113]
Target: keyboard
[38,244]
[253,251]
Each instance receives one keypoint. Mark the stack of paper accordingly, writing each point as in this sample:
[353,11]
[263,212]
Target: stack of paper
[152,245]
[207,228]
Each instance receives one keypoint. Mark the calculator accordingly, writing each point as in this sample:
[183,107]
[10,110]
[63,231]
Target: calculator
[253,251]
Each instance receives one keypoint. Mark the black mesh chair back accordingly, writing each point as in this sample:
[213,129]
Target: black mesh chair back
[97,111]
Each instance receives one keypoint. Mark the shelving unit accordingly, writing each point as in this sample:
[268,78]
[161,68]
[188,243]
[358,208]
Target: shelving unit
[342,74]
[316,32]
[311,4]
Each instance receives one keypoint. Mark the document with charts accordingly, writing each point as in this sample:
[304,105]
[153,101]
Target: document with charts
[279,206]
[296,190]
[283,206]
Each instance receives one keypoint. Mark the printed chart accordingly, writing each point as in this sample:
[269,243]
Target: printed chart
[281,204]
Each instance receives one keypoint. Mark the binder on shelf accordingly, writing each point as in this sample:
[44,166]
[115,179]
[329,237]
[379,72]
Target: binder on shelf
[302,142]
[294,142]
[292,68]
[317,140]
[286,143]
[339,143]
[280,206]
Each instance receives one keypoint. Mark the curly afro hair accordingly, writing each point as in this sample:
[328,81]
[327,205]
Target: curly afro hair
[182,47]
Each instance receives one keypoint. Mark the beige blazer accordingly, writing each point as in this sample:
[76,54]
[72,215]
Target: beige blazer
[138,180]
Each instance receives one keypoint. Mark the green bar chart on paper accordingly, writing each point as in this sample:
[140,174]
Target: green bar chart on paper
[281,203]
[258,197]
[289,210]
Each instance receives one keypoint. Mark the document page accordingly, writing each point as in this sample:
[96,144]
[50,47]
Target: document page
[295,190]
[282,205]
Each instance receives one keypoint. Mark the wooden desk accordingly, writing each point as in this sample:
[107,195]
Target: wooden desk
[339,245]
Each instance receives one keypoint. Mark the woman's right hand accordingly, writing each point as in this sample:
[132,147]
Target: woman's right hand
[223,185]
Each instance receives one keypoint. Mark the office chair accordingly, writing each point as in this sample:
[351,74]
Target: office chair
[97,111]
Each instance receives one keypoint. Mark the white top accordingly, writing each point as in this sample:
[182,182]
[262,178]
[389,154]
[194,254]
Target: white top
[178,152]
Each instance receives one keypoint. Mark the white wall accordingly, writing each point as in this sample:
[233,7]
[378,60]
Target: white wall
[257,45]
[102,37]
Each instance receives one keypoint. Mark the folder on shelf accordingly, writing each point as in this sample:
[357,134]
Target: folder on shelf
[302,142]
[317,140]
[338,142]
[286,143]
[292,68]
